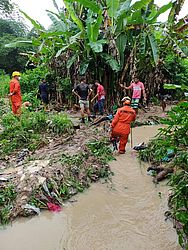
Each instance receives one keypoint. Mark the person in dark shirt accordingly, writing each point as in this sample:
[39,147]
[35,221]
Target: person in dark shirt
[43,91]
[83,92]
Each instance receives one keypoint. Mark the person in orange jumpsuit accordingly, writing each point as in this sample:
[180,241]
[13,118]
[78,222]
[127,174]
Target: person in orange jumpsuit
[15,94]
[121,123]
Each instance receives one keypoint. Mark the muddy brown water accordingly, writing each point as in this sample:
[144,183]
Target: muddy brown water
[127,215]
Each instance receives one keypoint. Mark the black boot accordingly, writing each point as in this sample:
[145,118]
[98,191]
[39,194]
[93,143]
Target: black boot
[82,121]
[89,119]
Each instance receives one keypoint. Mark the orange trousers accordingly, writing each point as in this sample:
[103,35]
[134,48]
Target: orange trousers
[123,138]
[16,108]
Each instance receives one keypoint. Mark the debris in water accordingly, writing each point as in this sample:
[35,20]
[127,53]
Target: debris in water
[140,146]
[53,207]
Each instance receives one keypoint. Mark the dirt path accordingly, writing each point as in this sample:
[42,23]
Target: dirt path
[127,215]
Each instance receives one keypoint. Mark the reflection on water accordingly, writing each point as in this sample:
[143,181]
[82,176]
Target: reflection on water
[127,215]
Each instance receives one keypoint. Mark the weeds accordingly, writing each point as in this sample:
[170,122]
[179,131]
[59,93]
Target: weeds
[101,149]
[174,137]
[29,130]
[7,197]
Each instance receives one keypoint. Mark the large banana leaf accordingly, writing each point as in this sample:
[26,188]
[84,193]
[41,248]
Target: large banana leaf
[84,66]
[92,5]
[93,25]
[112,6]
[173,86]
[154,47]
[58,25]
[175,10]
[18,44]
[121,43]
[142,43]
[153,16]
[71,60]
[140,4]
[111,62]
[123,8]
[36,24]
[97,25]
[65,47]
[97,46]
[73,15]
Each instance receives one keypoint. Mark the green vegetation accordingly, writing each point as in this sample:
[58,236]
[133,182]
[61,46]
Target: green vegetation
[109,40]
[7,198]
[174,138]
[30,130]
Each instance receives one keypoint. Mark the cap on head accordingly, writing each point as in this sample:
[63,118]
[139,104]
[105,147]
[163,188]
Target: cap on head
[16,73]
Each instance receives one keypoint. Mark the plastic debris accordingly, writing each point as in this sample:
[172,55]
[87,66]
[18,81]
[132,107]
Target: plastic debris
[53,207]
[151,173]
[169,155]
[140,146]
[32,207]
[22,155]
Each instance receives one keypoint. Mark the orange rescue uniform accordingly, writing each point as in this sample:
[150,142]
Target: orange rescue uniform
[121,125]
[16,98]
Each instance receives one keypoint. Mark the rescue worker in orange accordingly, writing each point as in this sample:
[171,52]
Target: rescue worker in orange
[15,93]
[121,123]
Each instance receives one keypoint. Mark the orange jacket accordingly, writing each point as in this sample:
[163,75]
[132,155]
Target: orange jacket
[122,120]
[16,90]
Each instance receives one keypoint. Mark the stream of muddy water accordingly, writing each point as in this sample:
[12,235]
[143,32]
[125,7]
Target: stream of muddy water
[125,215]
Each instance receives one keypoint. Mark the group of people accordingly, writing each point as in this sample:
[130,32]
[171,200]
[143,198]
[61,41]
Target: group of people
[83,92]
[120,126]
[16,98]
[121,123]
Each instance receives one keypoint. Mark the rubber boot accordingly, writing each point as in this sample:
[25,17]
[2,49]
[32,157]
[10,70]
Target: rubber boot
[82,121]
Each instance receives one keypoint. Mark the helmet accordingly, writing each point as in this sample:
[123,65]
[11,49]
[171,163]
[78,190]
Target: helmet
[127,102]
[16,73]
[126,98]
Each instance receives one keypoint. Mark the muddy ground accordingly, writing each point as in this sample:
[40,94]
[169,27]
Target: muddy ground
[49,174]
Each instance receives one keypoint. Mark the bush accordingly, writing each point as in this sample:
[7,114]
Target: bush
[61,124]
[30,79]
[4,84]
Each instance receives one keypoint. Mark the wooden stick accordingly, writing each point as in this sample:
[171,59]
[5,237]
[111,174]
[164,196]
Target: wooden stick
[131,138]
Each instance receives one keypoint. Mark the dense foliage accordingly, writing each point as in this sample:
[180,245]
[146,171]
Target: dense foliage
[111,41]
[174,137]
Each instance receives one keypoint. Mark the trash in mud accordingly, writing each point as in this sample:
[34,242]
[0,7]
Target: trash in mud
[169,155]
[53,207]
[140,146]
[159,173]
[22,155]
[31,208]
